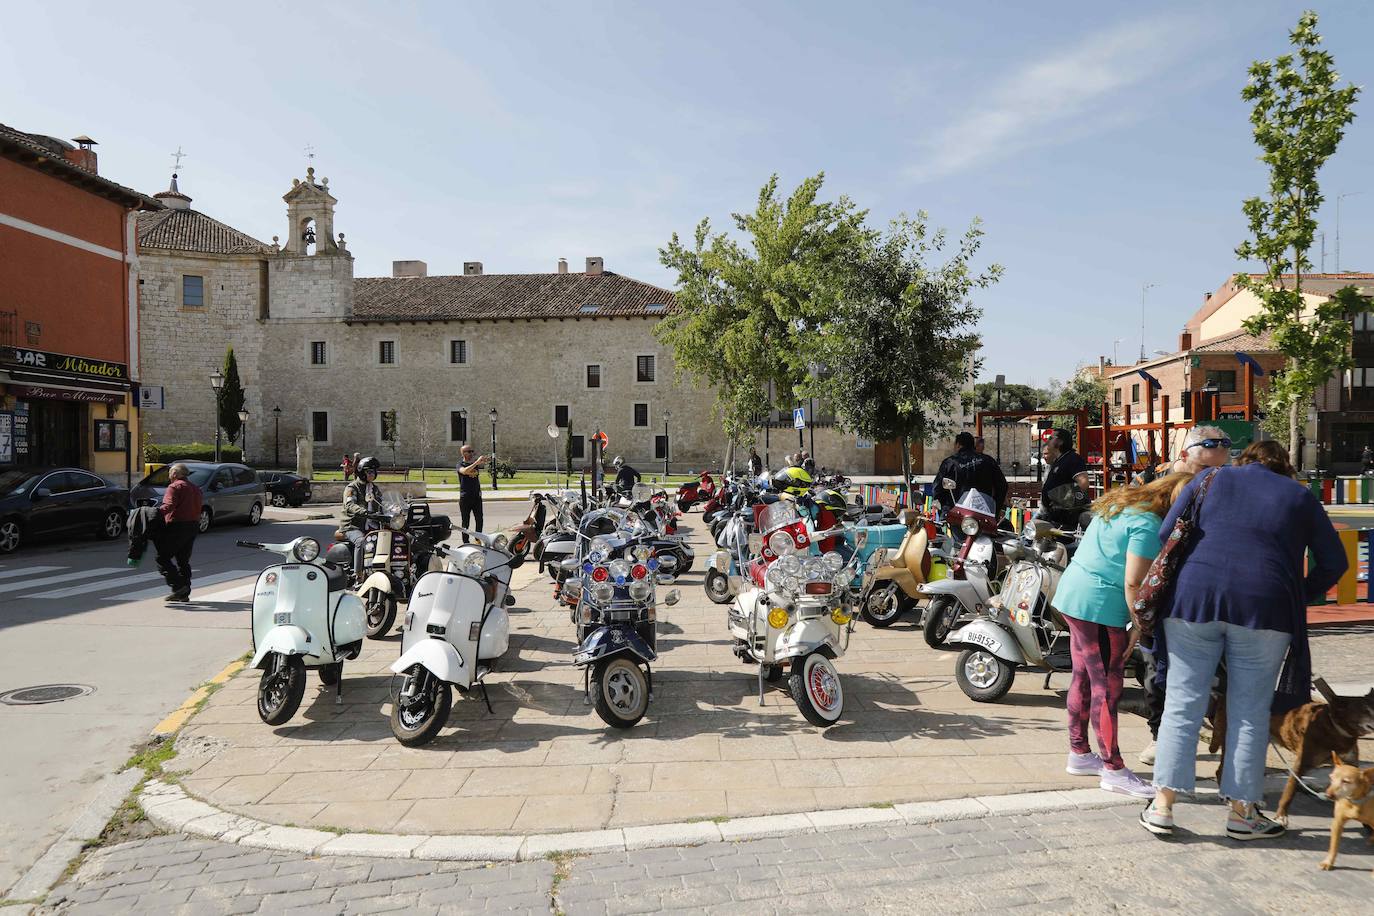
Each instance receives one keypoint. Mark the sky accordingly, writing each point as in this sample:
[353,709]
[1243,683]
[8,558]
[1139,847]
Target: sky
[1104,146]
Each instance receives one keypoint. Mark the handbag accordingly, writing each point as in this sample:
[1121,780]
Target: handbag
[1154,591]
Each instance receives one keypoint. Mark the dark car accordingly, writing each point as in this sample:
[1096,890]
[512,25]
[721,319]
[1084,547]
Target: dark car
[285,489]
[229,491]
[44,501]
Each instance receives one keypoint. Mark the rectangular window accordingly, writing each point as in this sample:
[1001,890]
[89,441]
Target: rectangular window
[1135,393]
[641,415]
[644,369]
[1225,379]
[560,416]
[1116,397]
[660,447]
[319,425]
[386,352]
[193,292]
[458,352]
[386,430]
[457,426]
[594,376]
[579,447]
[319,353]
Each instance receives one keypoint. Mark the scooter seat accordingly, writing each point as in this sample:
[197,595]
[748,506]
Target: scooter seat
[335,577]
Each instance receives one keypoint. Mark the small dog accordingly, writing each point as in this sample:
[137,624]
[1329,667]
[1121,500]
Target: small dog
[1312,733]
[1350,789]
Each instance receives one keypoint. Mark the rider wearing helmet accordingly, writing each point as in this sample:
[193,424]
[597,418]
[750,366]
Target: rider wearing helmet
[794,480]
[361,496]
[625,476]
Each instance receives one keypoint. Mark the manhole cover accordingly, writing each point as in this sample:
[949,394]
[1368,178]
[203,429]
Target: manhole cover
[44,693]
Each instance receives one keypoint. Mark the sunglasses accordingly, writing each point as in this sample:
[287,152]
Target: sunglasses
[1212,443]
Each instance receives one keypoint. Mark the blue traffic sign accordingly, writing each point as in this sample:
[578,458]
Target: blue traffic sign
[799,418]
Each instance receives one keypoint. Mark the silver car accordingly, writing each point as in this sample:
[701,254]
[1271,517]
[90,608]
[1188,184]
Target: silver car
[229,491]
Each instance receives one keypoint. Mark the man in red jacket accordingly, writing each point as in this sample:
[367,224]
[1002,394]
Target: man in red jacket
[181,504]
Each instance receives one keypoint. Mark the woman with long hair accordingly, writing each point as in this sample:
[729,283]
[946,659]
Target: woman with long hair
[1095,596]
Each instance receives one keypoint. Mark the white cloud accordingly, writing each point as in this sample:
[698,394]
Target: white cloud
[1058,97]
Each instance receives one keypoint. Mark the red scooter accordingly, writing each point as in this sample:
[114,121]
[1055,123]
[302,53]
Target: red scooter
[697,491]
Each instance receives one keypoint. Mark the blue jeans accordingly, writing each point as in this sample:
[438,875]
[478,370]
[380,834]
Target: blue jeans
[1253,659]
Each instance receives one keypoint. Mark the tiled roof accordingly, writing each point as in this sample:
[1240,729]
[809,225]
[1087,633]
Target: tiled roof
[189,230]
[505,296]
[46,154]
[1238,340]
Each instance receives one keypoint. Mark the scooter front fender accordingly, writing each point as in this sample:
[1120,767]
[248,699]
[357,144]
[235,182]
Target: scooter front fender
[379,581]
[287,640]
[984,634]
[962,591]
[807,636]
[438,657]
[616,639]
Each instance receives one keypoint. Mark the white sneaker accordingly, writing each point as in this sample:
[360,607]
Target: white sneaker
[1147,756]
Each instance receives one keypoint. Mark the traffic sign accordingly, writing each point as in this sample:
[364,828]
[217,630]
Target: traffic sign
[799,418]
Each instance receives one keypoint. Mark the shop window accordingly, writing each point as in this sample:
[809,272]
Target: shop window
[192,292]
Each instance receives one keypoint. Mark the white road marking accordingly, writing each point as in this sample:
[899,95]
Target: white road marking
[237,593]
[196,582]
[27,571]
[96,586]
[109,574]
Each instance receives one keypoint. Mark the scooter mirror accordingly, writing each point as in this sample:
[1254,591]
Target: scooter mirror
[1042,528]
[672,598]
[947,483]
[665,579]
[860,538]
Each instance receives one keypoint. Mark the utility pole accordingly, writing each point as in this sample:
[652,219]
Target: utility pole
[1143,289]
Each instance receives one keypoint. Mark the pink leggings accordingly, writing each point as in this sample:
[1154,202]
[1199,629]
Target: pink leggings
[1095,690]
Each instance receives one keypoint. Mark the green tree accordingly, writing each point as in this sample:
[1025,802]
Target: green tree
[390,432]
[750,310]
[902,344]
[1299,118]
[229,400]
[1081,392]
[983,396]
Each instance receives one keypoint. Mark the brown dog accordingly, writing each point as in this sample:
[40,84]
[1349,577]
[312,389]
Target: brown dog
[1312,734]
[1350,789]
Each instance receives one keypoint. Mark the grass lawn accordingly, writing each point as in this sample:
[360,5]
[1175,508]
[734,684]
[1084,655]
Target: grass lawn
[521,480]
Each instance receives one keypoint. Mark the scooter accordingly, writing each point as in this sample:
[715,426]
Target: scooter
[455,629]
[910,565]
[303,617]
[1022,631]
[523,537]
[395,554]
[973,573]
[695,491]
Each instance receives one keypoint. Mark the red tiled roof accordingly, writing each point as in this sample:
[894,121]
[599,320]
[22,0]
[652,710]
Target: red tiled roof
[190,230]
[506,296]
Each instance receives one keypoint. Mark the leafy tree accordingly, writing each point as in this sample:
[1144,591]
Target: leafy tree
[1299,118]
[750,310]
[1014,397]
[902,344]
[229,399]
[1081,392]
[390,432]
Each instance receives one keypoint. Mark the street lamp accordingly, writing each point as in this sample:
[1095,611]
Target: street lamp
[999,383]
[216,383]
[276,437]
[492,417]
[243,426]
[667,415]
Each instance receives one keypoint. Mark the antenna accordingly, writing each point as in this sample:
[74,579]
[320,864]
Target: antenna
[1143,288]
[176,159]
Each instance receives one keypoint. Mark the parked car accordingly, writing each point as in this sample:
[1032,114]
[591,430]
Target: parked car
[230,491]
[285,489]
[46,501]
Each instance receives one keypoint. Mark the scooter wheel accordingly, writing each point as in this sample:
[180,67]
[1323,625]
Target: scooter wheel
[982,676]
[381,612]
[418,720]
[884,605]
[330,674]
[620,692]
[281,689]
[717,586]
[815,687]
[941,616]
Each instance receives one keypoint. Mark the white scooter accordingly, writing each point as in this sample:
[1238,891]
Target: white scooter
[973,571]
[303,617]
[455,629]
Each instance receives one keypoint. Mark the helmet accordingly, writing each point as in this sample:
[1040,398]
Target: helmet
[830,499]
[368,465]
[617,462]
[792,480]
[809,465]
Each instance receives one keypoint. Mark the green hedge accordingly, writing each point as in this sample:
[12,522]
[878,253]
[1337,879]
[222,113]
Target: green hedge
[193,451]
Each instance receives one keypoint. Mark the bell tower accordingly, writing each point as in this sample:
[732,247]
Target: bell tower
[310,217]
[311,276]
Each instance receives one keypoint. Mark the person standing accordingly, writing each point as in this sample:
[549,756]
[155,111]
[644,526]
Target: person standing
[470,488]
[755,463]
[1065,491]
[1367,458]
[1240,594]
[181,505]
[970,470]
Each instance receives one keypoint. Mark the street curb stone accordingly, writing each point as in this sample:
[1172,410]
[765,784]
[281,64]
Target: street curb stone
[169,807]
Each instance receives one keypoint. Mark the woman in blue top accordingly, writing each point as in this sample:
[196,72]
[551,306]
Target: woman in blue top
[1094,596]
[1240,594]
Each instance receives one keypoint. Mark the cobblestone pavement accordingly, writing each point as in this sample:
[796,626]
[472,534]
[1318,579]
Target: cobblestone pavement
[1072,862]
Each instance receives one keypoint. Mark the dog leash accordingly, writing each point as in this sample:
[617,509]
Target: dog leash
[1302,782]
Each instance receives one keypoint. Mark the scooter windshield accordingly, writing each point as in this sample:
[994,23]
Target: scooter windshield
[981,503]
[777,515]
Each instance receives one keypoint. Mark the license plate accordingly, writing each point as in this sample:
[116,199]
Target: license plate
[281,617]
[980,639]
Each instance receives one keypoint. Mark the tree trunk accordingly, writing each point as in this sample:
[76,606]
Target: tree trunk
[906,473]
[1294,449]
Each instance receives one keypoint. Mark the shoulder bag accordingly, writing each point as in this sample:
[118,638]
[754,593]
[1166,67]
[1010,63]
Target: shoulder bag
[1159,581]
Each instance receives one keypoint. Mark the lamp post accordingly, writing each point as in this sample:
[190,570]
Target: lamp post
[243,427]
[276,437]
[999,384]
[492,416]
[216,383]
[667,415]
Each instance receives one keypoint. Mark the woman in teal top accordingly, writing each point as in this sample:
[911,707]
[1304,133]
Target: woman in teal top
[1095,595]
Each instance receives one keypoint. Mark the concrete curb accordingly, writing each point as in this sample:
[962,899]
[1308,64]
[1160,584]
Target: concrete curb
[171,809]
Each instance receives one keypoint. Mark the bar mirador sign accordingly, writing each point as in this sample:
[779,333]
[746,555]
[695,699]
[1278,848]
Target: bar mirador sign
[67,364]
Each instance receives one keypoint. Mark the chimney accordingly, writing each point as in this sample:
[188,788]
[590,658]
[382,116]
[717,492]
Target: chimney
[595,266]
[1102,367]
[409,269]
[562,265]
[1185,340]
[472,268]
[83,155]
[1205,297]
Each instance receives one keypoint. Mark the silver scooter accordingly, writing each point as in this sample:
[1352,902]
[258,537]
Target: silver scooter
[303,617]
[973,570]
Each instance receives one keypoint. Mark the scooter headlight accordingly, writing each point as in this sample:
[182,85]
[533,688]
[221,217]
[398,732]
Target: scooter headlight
[620,571]
[640,590]
[841,616]
[789,565]
[969,526]
[475,565]
[603,592]
[306,549]
[833,562]
[791,584]
[599,550]
[777,618]
[501,542]
[642,553]
[780,542]
[397,522]
[813,568]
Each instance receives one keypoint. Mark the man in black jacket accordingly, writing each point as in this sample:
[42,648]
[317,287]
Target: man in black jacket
[970,470]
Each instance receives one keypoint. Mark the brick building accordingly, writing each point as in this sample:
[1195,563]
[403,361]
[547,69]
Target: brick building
[69,339]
